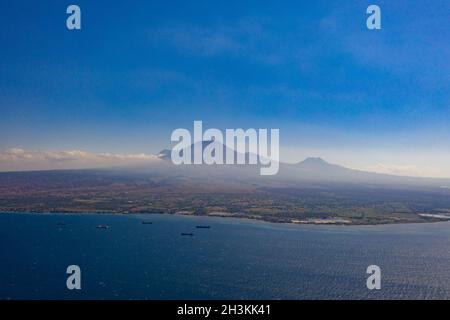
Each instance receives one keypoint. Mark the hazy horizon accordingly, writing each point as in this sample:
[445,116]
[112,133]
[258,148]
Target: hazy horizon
[17,159]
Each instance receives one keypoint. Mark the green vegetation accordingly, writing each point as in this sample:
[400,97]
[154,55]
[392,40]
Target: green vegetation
[104,193]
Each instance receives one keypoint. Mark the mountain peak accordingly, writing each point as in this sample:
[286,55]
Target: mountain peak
[314,161]
[166,153]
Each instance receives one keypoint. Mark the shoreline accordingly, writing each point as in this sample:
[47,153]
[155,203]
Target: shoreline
[249,219]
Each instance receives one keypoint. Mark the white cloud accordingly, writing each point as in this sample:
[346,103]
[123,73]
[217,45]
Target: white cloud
[19,159]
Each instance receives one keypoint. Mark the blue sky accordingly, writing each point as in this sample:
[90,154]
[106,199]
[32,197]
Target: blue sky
[139,69]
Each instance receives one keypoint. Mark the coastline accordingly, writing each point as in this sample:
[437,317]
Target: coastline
[314,222]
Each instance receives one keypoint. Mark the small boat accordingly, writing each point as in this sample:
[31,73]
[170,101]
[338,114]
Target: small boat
[147,222]
[60,224]
[187,234]
[102,226]
[203,227]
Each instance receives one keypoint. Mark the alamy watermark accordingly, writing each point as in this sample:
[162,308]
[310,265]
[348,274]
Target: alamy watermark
[373,22]
[74,279]
[236,146]
[374,280]
[73,21]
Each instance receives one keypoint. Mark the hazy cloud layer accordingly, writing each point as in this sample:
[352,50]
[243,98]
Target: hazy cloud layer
[403,170]
[17,159]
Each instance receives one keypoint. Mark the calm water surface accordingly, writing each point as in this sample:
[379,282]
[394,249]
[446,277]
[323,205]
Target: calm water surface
[235,259]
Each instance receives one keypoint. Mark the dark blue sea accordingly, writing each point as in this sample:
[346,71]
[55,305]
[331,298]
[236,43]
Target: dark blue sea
[234,259]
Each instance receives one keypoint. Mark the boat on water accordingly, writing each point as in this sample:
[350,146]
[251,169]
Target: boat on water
[102,226]
[147,222]
[203,227]
[187,234]
[60,224]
